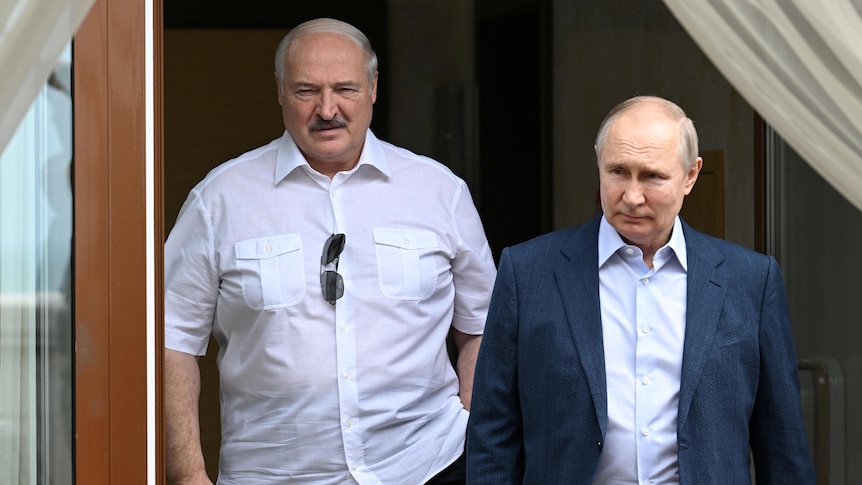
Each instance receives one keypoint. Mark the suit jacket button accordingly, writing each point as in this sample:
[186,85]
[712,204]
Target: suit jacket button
[599,445]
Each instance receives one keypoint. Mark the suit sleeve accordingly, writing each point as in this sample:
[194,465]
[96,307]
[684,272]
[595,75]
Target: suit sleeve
[495,450]
[778,439]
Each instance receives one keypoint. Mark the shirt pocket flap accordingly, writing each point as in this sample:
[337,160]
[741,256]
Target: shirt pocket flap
[267,247]
[405,239]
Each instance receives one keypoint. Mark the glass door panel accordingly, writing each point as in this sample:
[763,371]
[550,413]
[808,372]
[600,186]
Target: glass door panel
[814,233]
[36,441]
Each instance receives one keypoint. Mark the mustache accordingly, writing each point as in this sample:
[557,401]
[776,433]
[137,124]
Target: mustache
[322,124]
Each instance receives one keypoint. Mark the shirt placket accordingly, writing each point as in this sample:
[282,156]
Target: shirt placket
[345,350]
[644,370]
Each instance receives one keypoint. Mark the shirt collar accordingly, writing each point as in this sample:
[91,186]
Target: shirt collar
[290,157]
[610,242]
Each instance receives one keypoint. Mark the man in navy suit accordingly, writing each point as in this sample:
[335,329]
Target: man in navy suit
[634,349]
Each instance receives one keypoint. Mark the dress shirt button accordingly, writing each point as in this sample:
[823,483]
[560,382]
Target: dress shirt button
[646,380]
[629,250]
[645,431]
[349,423]
[344,328]
[645,329]
[645,281]
[267,249]
[346,375]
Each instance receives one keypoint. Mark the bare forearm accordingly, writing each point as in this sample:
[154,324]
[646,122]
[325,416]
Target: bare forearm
[184,458]
[468,350]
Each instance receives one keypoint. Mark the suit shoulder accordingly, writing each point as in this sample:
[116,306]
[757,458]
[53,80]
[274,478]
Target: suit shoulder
[732,253]
[553,242]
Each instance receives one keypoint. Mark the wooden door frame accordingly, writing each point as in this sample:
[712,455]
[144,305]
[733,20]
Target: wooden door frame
[112,376]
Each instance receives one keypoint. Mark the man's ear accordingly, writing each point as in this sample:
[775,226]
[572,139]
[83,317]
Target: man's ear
[279,89]
[374,88]
[691,176]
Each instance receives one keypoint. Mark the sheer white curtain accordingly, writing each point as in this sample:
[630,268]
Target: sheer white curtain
[799,64]
[33,33]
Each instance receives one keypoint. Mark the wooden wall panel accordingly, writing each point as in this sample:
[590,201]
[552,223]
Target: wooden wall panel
[110,241]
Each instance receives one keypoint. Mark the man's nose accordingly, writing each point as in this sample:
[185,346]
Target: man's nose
[633,194]
[328,105]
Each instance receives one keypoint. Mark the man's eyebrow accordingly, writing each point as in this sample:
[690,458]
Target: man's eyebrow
[302,84]
[336,85]
[346,84]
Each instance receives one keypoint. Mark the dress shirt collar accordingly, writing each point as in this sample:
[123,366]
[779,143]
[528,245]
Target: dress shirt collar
[290,157]
[610,242]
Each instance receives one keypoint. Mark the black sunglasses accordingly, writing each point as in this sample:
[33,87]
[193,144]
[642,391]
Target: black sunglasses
[331,283]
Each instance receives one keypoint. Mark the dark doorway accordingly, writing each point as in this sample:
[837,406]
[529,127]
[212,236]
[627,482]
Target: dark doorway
[514,139]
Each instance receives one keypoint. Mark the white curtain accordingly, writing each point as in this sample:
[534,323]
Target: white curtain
[33,33]
[799,64]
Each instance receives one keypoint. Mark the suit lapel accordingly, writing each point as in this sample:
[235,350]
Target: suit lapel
[705,295]
[578,281]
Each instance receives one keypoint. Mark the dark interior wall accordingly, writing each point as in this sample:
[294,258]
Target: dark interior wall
[606,51]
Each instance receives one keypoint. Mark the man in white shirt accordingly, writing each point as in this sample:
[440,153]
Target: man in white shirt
[330,267]
[634,350]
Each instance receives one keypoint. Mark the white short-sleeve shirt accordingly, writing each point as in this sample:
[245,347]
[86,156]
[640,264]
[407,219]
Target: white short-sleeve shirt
[361,391]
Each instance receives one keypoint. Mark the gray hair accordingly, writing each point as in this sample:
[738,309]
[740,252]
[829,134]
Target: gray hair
[325,25]
[688,148]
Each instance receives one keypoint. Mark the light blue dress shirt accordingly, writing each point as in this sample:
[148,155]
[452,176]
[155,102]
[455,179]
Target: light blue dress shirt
[643,326]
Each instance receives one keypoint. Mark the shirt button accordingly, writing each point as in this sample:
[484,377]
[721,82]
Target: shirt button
[267,249]
[629,250]
[645,431]
[349,423]
[645,329]
[344,328]
[646,380]
[645,281]
[346,375]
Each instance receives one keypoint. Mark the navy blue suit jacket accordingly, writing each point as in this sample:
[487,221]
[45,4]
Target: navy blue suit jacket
[539,409]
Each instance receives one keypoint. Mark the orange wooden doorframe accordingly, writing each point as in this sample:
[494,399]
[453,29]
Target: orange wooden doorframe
[110,244]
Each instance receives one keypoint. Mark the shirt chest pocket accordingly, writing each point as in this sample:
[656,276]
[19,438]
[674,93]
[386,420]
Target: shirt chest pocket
[406,265]
[273,273]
